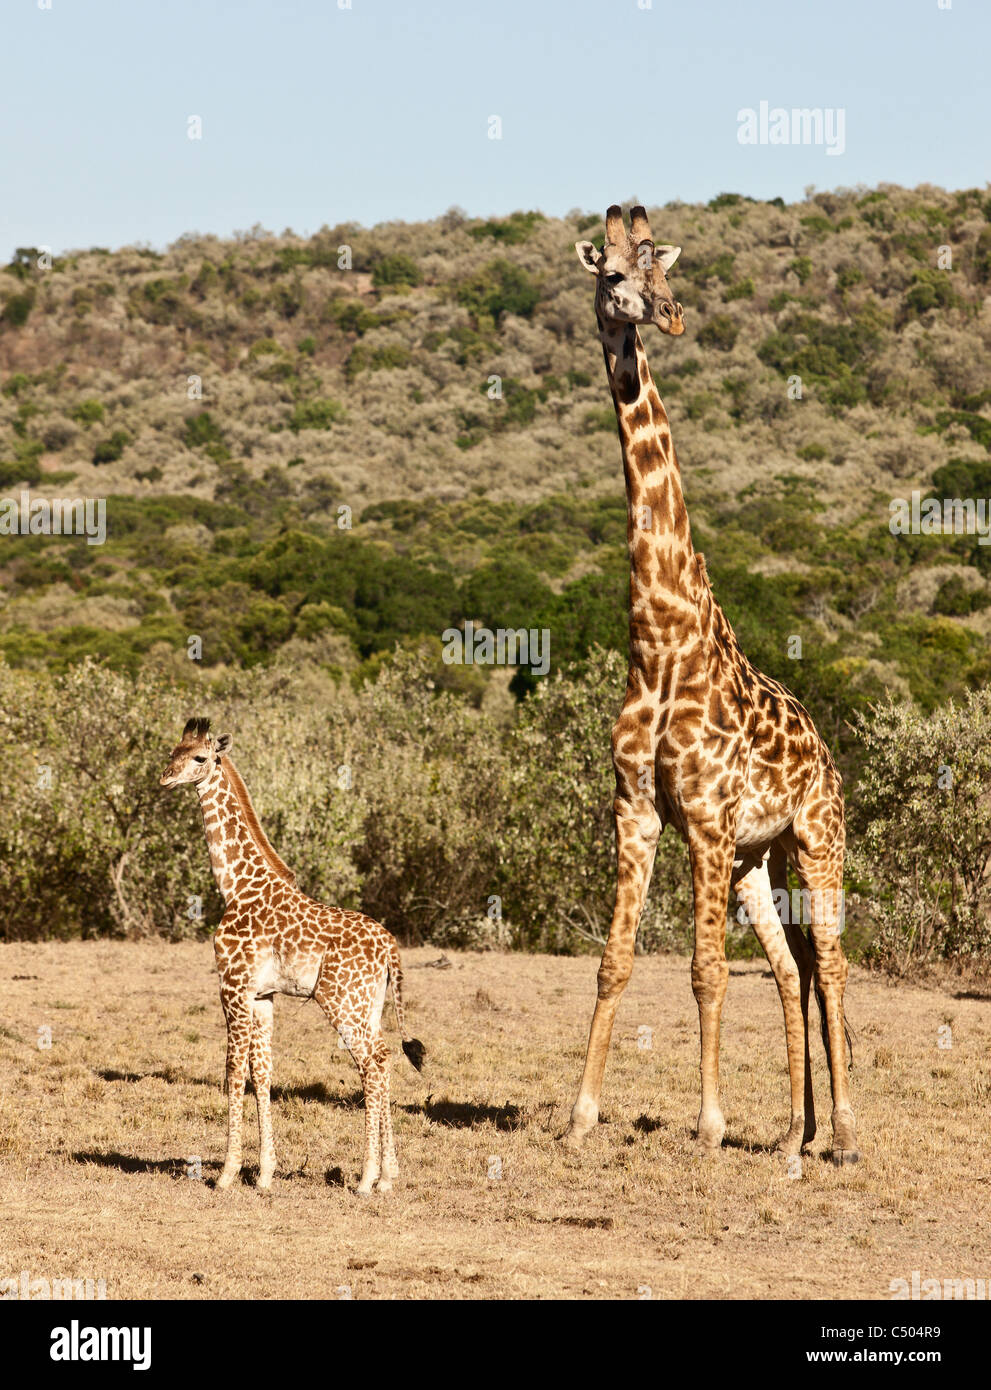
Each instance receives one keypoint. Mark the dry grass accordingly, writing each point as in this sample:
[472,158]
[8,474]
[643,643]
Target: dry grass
[96,1133]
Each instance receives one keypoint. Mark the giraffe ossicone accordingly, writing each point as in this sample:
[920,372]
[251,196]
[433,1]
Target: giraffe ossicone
[739,767]
[273,939]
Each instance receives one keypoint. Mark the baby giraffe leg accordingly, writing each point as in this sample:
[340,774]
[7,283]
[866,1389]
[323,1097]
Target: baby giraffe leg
[390,1164]
[372,1060]
[237,1011]
[261,1076]
[370,1056]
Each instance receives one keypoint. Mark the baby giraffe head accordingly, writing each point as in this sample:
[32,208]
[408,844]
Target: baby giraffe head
[196,754]
[632,274]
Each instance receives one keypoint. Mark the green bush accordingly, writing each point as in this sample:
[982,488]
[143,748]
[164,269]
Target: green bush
[317,414]
[558,844]
[922,831]
[743,289]
[109,450]
[719,332]
[515,228]
[89,842]
[87,412]
[499,288]
[202,432]
[17,308]
[396,271]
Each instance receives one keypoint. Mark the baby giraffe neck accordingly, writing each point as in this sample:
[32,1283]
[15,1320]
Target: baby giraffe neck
[242,866]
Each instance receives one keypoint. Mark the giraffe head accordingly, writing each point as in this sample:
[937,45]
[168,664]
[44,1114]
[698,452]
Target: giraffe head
[632,274]
[196,754]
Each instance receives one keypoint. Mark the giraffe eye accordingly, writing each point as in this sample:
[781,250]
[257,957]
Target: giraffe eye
[198,759]
[614,277]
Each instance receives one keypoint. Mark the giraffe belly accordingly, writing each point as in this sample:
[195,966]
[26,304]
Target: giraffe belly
[758,824]
[288,974]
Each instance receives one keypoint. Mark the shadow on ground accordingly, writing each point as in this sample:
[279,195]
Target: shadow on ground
[464,1115]
[128,1163]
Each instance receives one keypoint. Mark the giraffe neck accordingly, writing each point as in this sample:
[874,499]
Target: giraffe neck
[244,864]
[663,568]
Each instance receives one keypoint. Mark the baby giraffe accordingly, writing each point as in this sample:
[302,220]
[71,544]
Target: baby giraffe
[273,939]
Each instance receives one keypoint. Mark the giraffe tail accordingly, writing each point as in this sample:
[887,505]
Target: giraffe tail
[412,1047]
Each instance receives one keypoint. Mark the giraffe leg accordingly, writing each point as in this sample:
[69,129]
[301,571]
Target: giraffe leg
[261,1076]
[637,831]
[752,884]
[818,831]
[360,1034]
[711,852]
[390,1164]
[237,1010]
[373,1063]
[831,971]
[804,956]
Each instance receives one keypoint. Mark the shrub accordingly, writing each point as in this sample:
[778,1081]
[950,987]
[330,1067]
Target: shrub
[743,289]
[202,432]
[982,255]
[558,844]
[499,288]
[87,412]
[17,307]
[719,332]
[396,271]
[515,228]
[317,414]
[922,815]
[109,450]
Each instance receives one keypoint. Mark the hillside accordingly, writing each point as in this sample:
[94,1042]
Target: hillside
[240,402]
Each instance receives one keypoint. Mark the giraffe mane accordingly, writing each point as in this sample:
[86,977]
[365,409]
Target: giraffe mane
[278,866]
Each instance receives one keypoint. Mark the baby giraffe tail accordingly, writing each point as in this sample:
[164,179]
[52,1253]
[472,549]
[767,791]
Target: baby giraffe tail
[412,1047]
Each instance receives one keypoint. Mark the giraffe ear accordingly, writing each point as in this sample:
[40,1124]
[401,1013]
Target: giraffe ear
[223,745]
[667,255]
[590,258]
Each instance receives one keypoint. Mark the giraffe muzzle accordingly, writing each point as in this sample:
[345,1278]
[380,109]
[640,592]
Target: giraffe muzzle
[670,318]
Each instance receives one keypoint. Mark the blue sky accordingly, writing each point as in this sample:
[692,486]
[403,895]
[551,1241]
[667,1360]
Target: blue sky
[313,114]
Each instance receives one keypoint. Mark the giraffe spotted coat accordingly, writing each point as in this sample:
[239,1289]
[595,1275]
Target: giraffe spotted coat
[273,939]
[708,743]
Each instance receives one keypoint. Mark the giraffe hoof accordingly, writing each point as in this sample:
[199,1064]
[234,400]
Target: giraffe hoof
[710,1137]
[365,1192]
[842,1157]
[225,1181]
[788,1148]
[573,1138]
[791,1144]
[383,1185]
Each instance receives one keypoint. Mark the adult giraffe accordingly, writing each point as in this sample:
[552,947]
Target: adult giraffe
[707,742]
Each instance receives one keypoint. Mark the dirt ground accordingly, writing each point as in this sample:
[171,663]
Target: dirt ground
[103,1135]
